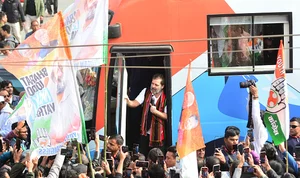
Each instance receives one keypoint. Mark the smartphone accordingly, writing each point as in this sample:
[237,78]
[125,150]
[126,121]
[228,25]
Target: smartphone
[91,134]
[125,149]
[216,167]
[247,150]
[101,137]
[135,148]
[241,149]
[144,164]
[204,171]
[110,162]
[217,150]
[297,152]
[217,174]
[161,161]
[18,144]
[64,151]
[250,134]
[235,147]
[262,157]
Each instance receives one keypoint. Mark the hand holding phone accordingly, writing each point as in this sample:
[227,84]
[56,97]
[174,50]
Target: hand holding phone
[18,144]
[235,148]
[262,157]
[204,171]
[250,135]
[143,164]
[125,149]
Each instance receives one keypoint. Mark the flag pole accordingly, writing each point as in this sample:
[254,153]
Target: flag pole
[287,156]
[82,121]
[69,56]
[105,110]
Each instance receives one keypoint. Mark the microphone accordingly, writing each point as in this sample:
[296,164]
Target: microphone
[152,100]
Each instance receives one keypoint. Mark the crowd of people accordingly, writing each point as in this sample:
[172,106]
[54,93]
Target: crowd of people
[16,17]
[252,157]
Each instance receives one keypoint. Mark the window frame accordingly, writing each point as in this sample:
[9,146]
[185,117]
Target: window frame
[255,69]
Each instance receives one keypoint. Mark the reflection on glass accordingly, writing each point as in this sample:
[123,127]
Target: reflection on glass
[87,79]
[263,56]
[231,52]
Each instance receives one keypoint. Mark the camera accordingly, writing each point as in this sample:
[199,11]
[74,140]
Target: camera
[66,152]
[247,84]
[143,164]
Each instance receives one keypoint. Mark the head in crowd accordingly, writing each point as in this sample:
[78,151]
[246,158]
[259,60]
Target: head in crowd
[153,155]
[35,25]
[8,86]
[231,137]
[210,162]
[295,127]
[270,151]
[5,30]
[288,175]
[5,48]
[23,132]
[156,171]
[114,143]
[3,18]
[157,84]
[5,94]
[201,153]
[5,171]
[171,156]
[277,167]
[74,171]
[2,102]
[200,158]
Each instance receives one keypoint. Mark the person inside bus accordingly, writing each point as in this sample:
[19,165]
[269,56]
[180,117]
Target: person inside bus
[154,114]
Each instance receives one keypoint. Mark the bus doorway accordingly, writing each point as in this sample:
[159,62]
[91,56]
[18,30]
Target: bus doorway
[140,64]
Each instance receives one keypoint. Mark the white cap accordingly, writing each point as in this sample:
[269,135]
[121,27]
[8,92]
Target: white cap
[2,98]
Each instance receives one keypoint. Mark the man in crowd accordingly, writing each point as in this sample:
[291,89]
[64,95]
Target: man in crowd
[3,18]
[49,8]
[171,157]
[5,112]
[114,144]
[13,99]
[294,138]
[8,37]
[154,114]
[34,10]
[15,13]
[34,26]
[227,154]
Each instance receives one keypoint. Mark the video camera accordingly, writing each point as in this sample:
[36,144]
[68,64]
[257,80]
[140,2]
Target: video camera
[247,83]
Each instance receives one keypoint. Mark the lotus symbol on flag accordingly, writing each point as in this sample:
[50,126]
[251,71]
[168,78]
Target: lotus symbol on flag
[189,100]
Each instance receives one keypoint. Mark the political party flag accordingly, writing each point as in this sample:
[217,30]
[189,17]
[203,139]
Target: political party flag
[50,105]
[277,115]
[190,137]
[87,24]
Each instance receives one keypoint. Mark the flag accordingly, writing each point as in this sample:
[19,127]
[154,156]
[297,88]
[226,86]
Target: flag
[50,105]
[277,115]
[190,137]
[87,24]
